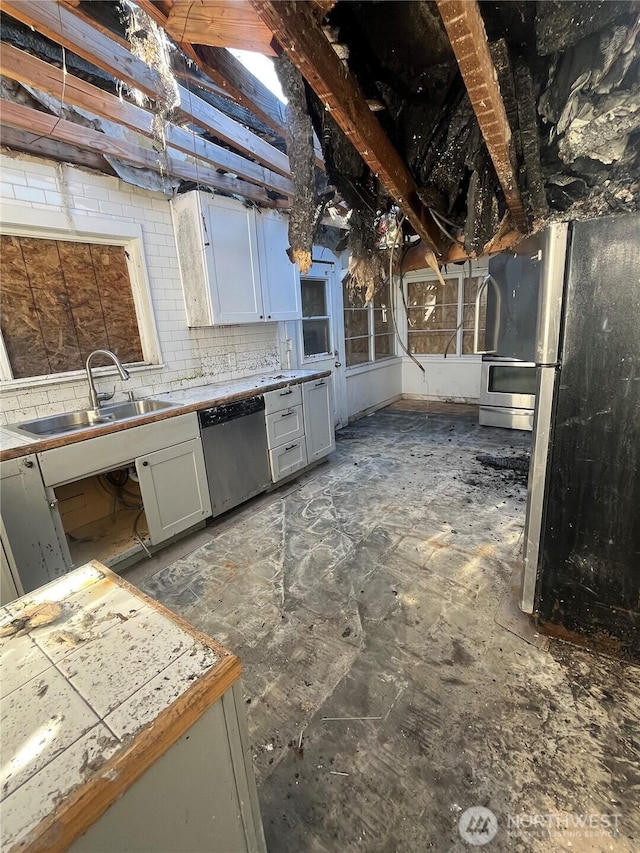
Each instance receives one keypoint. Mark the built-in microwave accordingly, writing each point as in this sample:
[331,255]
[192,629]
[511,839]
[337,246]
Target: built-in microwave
[507,392]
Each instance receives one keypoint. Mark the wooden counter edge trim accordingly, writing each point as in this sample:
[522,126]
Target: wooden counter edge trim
[39,445]
[78,812]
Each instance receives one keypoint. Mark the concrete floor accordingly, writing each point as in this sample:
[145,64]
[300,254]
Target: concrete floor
[377,587]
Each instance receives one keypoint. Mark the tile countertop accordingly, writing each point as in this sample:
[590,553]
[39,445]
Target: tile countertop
[13,445]
[86,699]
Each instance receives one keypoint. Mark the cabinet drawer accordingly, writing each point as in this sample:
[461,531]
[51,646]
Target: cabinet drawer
[287,459]
[284,427]
[283,398]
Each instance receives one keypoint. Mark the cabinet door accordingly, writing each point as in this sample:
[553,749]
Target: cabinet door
[318,419]
[32,529]
[234,274]
[174,489]
[280,278]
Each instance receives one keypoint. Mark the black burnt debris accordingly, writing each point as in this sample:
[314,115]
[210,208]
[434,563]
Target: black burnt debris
[569,78]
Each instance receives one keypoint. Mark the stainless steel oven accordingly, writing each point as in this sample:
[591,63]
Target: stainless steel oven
[507,392]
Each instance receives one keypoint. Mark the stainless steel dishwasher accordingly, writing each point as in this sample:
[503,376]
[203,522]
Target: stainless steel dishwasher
[234,439]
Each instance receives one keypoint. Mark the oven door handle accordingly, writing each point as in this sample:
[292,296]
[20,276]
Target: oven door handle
[488,279]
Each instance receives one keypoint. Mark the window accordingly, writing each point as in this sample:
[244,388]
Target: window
[315,317]
[440,318]
[61,300]
[368,327]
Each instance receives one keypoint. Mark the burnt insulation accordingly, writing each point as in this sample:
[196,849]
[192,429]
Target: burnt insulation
[299,138]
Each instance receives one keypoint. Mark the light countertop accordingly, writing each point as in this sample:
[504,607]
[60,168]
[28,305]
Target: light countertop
[112,672]
[13,445]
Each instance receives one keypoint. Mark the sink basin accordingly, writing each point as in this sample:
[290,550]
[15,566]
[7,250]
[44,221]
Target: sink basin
[74,421]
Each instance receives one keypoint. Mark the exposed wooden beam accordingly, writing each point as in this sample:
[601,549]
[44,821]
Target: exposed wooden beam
[304,42]
[76,33]
[61,130]
[215,122]
[30,71]
[221,23]
[61,25]
[465,28]
[228,72]
[233,78]
[43,146]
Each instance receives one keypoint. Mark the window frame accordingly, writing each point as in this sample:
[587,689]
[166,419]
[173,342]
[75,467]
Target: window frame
[371,335]
[430,276]
[17,222]
[318,356]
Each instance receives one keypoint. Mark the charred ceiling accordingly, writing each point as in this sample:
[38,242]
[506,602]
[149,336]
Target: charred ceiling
[478,121]
[569,79]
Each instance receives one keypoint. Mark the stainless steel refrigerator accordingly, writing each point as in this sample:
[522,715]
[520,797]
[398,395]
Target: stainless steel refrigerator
[582,537]
[508,376]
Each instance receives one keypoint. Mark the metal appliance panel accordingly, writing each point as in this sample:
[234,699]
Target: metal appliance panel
[551,293]
[589,564]
[536,486]
[235,454]
[499,416]
[512,301]
[496,390]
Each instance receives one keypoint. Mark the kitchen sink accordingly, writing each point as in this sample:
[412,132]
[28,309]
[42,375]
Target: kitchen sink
[87,418]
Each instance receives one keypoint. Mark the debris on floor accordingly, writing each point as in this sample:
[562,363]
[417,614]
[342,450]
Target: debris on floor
[426,706]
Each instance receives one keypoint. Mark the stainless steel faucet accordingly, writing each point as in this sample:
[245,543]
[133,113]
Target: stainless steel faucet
[98,397]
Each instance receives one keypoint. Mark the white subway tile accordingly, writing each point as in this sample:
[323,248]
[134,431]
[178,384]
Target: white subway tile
[29,194]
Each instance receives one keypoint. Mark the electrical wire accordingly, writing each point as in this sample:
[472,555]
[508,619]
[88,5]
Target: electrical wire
[391,300]
[443,229]
[64,85]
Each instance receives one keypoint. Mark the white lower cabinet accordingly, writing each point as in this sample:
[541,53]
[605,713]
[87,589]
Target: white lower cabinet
[288,459]
[299,424]
[318,418]
[173,484]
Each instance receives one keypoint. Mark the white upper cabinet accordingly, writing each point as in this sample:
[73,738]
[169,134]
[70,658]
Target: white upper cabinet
[280,278]
[233,262]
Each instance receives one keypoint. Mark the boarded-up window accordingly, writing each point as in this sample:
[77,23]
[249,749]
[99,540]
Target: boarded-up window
[60,301]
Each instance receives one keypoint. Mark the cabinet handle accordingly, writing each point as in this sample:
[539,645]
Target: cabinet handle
[322,382]
[290,447]
[287,414]
[145,464]
[284,393]
[262,316]
[269,317]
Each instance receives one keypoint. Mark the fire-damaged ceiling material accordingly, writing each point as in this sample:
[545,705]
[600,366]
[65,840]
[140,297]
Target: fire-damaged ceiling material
[465,160]
[568,85]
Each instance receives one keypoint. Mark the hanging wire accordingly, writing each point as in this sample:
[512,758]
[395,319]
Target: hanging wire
[391,300]
[64,83]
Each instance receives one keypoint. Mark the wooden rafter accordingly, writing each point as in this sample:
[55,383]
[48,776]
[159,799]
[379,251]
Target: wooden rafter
[232,77]
[28,70]
[61,130]
[465,28]
[220,23]
[77,34]
[301,37]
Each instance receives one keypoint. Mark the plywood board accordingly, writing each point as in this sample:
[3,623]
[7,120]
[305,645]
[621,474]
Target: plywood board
[61,300]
